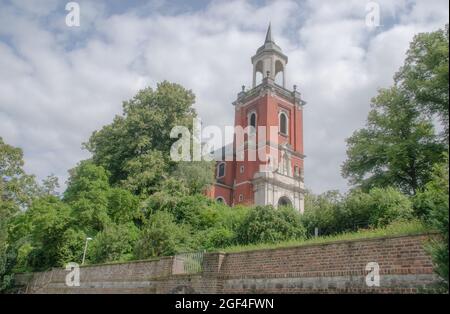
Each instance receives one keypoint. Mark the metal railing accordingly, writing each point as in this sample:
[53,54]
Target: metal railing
[187,263]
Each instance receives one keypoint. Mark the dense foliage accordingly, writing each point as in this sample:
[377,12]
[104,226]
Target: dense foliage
[399,145]
[432,204]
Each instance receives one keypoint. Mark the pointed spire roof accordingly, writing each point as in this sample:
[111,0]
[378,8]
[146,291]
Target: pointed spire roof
[269,34]
[270,45]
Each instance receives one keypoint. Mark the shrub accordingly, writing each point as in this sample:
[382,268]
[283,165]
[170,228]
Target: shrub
[115,243]
[388,205]
[433,203]
[216,238]
[334,214]
[161,236]
[267,224]
[323,212]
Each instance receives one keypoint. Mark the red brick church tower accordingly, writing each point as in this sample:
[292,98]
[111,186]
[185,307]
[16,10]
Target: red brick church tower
[277,179]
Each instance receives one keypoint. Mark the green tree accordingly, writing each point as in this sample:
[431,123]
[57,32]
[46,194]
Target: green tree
[161,236]
[433,204]
[197,175]
[378,208]
[115,243]
[425,73]
[50,220]
[17,190]
[397,148]
[265,224]
[215,238]
[50,185]
[88,194]
[324,212]
[135,148]
[123,206]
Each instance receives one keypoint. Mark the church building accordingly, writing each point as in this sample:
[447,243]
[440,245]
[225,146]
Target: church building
[269,104]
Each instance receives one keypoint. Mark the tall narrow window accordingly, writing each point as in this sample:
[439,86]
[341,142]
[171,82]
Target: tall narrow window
[253,120]
[283,123]
[221,170]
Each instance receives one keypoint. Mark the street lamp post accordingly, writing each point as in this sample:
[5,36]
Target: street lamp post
[85,249]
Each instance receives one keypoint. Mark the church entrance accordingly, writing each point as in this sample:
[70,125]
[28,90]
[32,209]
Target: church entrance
[284,201]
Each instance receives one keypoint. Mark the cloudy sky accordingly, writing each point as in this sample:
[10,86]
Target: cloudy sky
[60,83]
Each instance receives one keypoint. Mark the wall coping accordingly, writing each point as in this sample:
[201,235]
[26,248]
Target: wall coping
[381,238]
[155,259]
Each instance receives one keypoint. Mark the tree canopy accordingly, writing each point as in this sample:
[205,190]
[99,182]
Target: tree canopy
[398,146]
[135,147]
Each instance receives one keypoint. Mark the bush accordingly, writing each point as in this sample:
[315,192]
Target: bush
[377,208]
[323,212]
[216,238]
[161,236]
[388,205]
[265,224]
[333,214]
[433,204]
[115,243]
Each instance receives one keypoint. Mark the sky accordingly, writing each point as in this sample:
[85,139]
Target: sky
[58,83]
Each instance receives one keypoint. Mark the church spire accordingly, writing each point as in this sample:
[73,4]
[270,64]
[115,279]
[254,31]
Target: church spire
[269,60]
[269,34]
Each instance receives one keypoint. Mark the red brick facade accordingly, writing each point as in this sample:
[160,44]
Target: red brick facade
[267,105]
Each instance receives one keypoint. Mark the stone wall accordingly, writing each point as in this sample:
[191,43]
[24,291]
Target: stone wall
[339,267]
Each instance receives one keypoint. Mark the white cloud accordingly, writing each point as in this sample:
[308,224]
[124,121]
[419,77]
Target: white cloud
[58,84]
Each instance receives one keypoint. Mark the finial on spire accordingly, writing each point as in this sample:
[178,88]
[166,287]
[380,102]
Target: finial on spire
[269,34]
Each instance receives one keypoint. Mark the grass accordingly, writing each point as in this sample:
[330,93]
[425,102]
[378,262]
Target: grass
[402,228]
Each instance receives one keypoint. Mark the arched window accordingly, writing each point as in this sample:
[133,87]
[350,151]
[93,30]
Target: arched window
[253,120]
[284,201]
[220,199]
[279,73]
[283,123]
[221,170]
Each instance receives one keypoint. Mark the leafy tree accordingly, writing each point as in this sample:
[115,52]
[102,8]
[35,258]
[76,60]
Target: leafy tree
[196,210]
[324,212]
[17,190]
[50,185]
[123,206]
[397,148]
[71,246]
[144,172]
[135,148]
[50,220]
[333,213]
[114,243]
[433,204]
[266,224]
[425,73]
[378,208]
[87,194]
[197,175]
[161,236]
[214,238]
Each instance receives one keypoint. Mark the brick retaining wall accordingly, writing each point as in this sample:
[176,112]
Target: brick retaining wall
[338,267]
